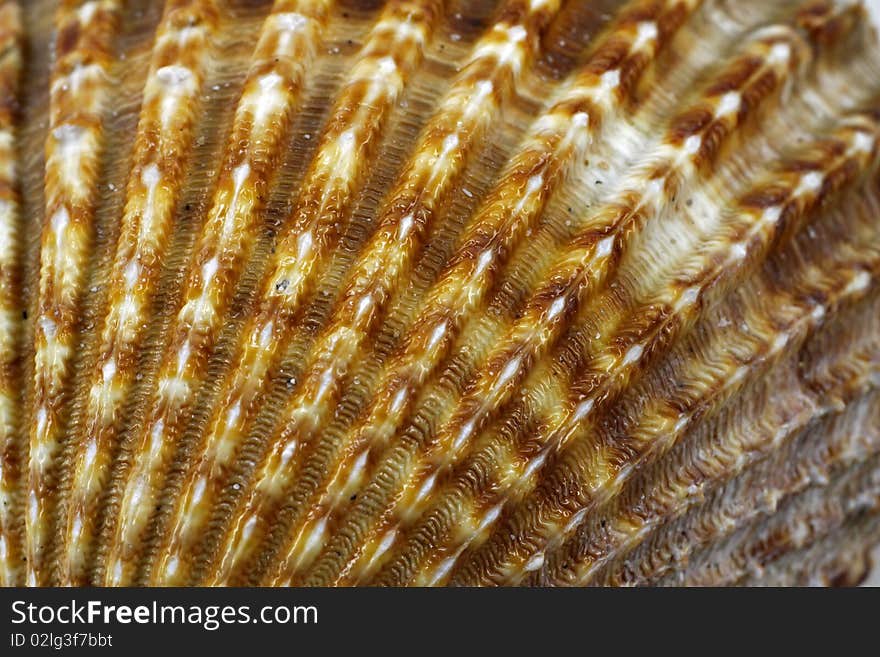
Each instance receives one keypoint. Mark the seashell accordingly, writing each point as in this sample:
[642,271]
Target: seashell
[424,292]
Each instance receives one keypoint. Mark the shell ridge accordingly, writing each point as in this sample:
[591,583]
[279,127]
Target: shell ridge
[439,292]
[384,65]
[12,456]
[844,168]
[541,320]
[514,204]
[770,494]
[165,134]
[732,374]
[278,66]
[80,82]
[439,158]
[710,462]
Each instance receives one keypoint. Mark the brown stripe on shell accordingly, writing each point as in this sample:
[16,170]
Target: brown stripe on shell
[799,188]
[568,282]
[602,397]
[391,53]
[727,464]
[594,255]
[443,151]
[12,451]
[861,146]
[808,498]
[162,145]
[80,85]
[601,530]
[784,316]
[802,390]
[288,41]
[560,137]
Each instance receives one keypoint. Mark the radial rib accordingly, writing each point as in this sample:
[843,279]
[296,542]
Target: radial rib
[280,63]
[80,85]
[392,52]
[162,145]
[598,93]
[440,157]
[771,415]
[11,448]
[777,323]
[687,151]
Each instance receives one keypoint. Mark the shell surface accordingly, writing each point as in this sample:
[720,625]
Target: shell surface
[423,292]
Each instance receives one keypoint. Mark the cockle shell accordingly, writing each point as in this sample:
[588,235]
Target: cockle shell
[425,292]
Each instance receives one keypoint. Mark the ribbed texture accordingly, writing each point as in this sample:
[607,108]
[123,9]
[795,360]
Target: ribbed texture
[427,292]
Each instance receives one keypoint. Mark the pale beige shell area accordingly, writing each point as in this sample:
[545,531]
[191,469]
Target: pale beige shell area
[426,292]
